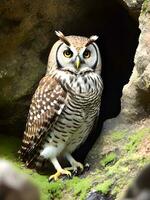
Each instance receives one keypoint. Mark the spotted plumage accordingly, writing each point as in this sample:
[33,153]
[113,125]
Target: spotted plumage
[65,104]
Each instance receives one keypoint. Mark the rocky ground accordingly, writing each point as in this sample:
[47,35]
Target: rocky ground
[114,162]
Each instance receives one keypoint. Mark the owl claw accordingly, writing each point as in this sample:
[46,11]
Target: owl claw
[76,167]
[56,176]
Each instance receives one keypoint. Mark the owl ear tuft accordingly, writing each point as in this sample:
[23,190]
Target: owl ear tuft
[92,39]
[62,37]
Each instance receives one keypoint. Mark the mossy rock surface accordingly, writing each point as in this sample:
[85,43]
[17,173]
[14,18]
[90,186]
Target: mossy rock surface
[119,158]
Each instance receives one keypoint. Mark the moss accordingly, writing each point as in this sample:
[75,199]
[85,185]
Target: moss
[134,140]
[104,187]
[110,157]
[79,187]
[55,191]
[113,175]
[118,135]
[128,163]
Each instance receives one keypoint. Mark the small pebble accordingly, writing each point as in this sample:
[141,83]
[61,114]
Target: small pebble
[97,196]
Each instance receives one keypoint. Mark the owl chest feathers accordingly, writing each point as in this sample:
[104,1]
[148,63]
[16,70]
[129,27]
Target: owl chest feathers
[80,83]
[83,90]
[77,118]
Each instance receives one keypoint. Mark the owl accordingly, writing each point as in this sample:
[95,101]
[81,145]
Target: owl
[65,105]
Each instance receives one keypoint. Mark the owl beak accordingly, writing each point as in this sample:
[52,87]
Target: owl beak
[77,62]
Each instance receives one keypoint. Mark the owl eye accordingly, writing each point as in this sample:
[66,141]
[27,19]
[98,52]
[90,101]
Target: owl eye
[86,54]
[68,53]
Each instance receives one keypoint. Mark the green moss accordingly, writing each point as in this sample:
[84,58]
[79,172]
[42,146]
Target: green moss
[129,162]
[55,191]
[79,187]
[104,187]
[134,140]
[110,157]
[117,172]
[118,135]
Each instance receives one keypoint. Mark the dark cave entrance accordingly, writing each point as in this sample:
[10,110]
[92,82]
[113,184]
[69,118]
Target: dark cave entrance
[118,41]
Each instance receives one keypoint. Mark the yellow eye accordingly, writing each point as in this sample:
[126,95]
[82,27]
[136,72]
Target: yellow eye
[86,54]
[68,53]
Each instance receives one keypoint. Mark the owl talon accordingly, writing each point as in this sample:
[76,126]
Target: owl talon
[56,176]
[76,167]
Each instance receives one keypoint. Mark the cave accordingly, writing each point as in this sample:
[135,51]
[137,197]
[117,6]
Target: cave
[118,35]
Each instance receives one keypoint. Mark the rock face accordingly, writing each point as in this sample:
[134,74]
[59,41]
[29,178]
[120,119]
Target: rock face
[136,94]
[135,102]
[27,29]
[135,7]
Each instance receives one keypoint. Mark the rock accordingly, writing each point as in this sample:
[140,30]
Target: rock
[96,196]
[134,4]
[136,94]
[27,29]
[134,7]
[14,186]
[140,188]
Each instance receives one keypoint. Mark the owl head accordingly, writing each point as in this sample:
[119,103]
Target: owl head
[75,54]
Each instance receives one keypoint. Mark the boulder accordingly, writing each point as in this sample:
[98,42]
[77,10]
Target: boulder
[14,185]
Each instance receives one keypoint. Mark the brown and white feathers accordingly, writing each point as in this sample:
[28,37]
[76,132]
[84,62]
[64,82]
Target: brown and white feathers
[67,100]
[47,104]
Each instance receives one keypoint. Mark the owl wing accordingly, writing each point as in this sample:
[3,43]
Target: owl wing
[46,106]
